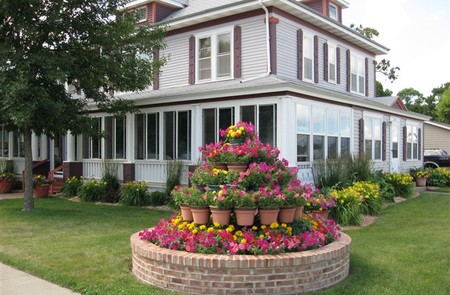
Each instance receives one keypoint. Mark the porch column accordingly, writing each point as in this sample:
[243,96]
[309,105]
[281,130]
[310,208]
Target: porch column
[71,157]
[71,166]
[44,148]
[287,135]
[129,166]
[197,135]
[34,147]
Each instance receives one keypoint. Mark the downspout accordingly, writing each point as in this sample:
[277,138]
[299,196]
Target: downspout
[269,69]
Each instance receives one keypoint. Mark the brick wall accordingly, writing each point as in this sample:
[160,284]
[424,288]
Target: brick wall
[241,274]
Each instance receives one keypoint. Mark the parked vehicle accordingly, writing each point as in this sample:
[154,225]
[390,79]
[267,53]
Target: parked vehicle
[435,158]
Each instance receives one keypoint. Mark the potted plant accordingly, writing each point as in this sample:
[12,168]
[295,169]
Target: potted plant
[180,197]
[6,182]
[269,201]
[293,202]
[41,186]
[421,176]
[318,203]
[199,204]
[238,133]
[221,203]
[244,207]
[206,175]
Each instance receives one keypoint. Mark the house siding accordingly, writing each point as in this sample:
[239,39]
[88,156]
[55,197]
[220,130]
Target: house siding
[436,138]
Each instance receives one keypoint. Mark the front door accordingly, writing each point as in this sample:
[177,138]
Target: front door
[395,139]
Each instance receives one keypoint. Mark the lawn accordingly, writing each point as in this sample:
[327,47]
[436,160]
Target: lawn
[85,247]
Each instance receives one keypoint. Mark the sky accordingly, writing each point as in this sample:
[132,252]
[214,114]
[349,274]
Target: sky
[417,32]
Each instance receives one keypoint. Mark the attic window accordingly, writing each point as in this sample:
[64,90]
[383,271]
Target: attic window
[141,14]
[333,11]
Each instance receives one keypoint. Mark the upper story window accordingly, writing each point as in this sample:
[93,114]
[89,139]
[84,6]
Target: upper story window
[214,56]
[333,11]
[308,57]
[357,80]
[141,14]
[331,63]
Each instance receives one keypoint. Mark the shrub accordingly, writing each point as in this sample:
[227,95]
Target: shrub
[92,190]
[402,183]
[360,168]
[387,191]
[332,172]
[71,187]
[439,177]
[158,198]
[173,176]
[112,182]
[134,194]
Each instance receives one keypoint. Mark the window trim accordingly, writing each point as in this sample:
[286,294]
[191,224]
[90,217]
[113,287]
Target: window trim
[412,125]
[372,117]
[146,14]
[214,54]
[332,52]
[335,17]
[355,66]
[311,38]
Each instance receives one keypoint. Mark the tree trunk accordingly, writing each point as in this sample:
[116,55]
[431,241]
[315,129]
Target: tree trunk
[28,204]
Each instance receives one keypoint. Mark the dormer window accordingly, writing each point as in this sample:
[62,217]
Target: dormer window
[333,11]
[141,14]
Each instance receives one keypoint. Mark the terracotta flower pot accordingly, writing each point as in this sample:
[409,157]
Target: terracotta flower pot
[220,215]
[41,191]
[421,181]
[268,216]
[298,212]
[219,165]
[239,167]
[186,213]
[5,186]
[200,215]
[286,215]
[245,216]
[322,214]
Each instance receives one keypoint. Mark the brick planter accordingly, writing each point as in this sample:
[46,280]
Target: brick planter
[241,274]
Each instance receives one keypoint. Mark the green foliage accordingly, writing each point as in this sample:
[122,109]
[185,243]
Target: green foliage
[6,166]
[368,32]
[158,198]
[112,181]
[92,190]
[401,182]
[360,168]
[443,107]
[71,187]
[173,175]
[134,194]
[439,177]
[332,172]
[387,190]
[380,91]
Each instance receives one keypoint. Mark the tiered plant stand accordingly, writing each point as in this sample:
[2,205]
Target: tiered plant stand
[287,273]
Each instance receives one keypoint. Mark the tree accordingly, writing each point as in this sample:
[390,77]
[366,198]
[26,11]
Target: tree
[45,44]
[412,99]
[384,66]
[380,91]
[443,107]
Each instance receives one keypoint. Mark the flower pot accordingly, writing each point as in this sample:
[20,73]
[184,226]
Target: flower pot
[5,186]
[186,213]
[322,214]
[41,191]
[298,212]
[239,167]
[220,215]
[268,216]
[219,165]
[236,140]
[245,216]
[200,215]
[286,214]
[421,181]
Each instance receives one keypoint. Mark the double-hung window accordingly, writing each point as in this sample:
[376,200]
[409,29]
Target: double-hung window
[308,58]
[264,117]
[214,56]
[177,135]
[141,14]
[215,119]
[372,137]
[115,129]
[333,11]
[331,63]
[92,145]
[358,77]
[147,136]
[412,142]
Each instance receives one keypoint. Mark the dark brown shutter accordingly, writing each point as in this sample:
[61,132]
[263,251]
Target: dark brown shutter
[192,60]
[316,59]
[375,77]
[156,70]
[338,65]
[361,136]
[383,142]
[348,70]
[366,79]
[419,144]
[273,47]
[300,54]
[237,51]
[325,61]
[405,134]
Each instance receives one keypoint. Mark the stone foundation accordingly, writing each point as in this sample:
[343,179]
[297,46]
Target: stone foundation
[241,274]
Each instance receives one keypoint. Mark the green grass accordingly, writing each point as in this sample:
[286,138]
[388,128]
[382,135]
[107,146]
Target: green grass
[442,189]
[85,247]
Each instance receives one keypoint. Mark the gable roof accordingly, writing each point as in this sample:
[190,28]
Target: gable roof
[391,101]
[199,11]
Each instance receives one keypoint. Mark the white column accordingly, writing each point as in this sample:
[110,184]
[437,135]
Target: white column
[287,136]
[70,147]
[11,145]
[44,147]
[197,135]
[52,154]
[34,147]
[79,155]
[130,138]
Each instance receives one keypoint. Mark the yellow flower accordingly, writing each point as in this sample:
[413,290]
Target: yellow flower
[216,224]
[263,226]
[284,225]
[210,229]
[274,225]
[202,227]
[195,231]
[243,241]
[254,227]
[261,236]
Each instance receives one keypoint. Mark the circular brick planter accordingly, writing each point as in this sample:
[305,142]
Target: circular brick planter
[241,274]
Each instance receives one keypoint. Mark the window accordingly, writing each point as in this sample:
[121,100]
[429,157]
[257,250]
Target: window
[141,14]
[215,119]
[214,60]
[412,142]
[372,137]
[357,80]
[115,139]
[308,57]
[4,142]
[92,145]
[18,145]
[333,11]
[147,136]
[177,135]
[267,121]
[331,63]
[322,133]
